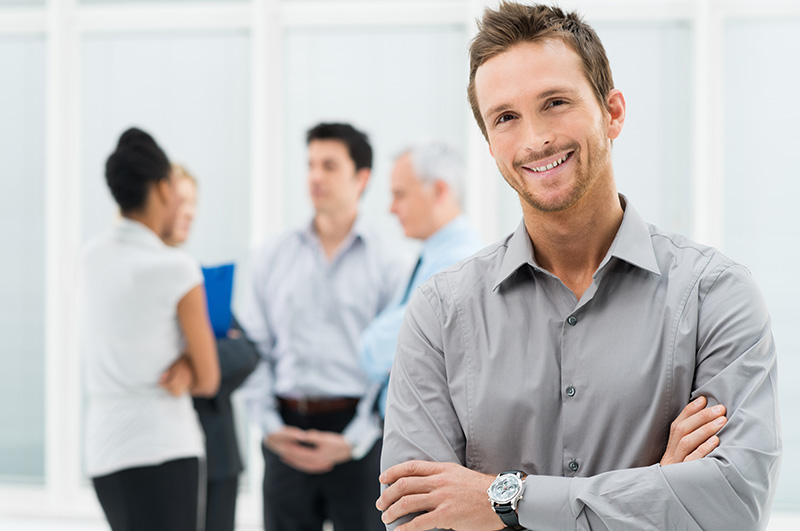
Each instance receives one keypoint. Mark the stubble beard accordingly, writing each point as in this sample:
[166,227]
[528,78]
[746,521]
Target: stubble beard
[585,175]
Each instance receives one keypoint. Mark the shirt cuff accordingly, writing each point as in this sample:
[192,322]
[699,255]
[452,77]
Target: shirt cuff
[362,433]
[545,503]
[270,422]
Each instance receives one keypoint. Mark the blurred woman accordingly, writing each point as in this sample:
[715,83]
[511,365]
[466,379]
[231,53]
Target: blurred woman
[144,305]
[237,359]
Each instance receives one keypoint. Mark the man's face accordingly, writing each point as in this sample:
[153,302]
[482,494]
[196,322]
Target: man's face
[413,201]
[548,134]
[334,185]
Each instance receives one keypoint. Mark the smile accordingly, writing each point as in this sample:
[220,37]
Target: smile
[550,166]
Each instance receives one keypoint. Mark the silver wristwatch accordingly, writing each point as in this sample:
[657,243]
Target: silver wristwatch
[504,494]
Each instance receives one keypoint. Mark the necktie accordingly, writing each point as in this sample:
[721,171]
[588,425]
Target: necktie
[411,282]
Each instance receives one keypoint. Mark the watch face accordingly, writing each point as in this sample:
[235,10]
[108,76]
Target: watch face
[505,488]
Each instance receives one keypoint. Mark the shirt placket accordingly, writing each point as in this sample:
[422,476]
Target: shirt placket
[573,397]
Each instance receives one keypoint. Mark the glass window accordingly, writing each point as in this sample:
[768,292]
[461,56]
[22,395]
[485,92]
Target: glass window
[761,192]
[128,2]
[651,64]
[191,91]
[399,85]
[22,275]
[21,3]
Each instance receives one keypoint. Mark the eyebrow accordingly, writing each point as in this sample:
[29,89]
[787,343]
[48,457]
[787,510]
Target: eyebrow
[542,96]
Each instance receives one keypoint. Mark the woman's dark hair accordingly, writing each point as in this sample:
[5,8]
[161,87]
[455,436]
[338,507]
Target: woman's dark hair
[136,164]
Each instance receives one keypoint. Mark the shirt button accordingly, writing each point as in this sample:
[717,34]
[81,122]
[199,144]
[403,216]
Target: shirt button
[572,320]
[574,466]
[570,391]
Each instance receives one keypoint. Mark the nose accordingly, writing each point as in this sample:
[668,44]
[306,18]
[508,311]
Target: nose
[314,175]
[538,134]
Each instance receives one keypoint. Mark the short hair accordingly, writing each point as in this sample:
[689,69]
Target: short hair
[512,24]
[356,141]
[135,165]
[438,161]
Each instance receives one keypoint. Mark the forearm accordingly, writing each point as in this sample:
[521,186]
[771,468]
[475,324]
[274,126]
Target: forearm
[260,402]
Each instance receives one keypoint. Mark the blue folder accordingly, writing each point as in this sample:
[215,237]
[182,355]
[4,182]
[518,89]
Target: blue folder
[219,292]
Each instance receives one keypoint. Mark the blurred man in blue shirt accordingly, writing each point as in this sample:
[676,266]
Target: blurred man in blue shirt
[426,198]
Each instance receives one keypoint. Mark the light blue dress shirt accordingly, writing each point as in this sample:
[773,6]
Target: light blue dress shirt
[306,313]
[450,244]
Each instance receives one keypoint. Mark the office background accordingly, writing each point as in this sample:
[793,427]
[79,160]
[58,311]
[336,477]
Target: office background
[229,87]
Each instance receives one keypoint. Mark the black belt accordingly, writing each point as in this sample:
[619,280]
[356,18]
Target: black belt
[316,406]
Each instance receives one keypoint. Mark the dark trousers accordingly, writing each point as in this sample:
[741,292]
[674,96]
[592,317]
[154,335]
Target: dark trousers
[221,504]
[296,501]
[151,498]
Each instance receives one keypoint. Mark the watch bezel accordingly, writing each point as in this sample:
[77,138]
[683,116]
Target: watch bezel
[513,500]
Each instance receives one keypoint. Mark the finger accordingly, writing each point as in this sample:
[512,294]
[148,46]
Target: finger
[312,466]
[704,449]
[691,442]
[409,468]
[421,523]
[308,468]
[298,451]
[681,429]
[691,408]
[413,503]
[703,417]
[407,486]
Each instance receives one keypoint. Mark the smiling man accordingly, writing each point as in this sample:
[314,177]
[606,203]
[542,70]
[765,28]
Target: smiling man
[548,368]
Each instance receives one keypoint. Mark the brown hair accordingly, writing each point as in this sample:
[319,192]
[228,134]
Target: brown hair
[514,23]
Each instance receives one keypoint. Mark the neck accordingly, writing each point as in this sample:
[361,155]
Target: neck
[572,243]
[148,219]
[333,227]
[443,217]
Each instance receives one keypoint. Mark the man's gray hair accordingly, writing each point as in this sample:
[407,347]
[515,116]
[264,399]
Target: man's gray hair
[438,161]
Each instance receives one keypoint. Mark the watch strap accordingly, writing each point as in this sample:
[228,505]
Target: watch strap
[508,516]
[506,512]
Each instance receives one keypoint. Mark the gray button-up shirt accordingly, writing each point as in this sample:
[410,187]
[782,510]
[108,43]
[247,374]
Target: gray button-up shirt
[500,367]
[305,314]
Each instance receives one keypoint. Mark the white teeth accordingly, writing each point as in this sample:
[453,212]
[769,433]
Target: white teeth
[551,165]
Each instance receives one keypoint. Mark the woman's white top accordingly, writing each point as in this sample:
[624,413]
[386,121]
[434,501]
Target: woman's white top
[132,283]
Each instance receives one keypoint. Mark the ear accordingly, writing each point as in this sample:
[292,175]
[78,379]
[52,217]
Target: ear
[362,176]
[440,189]
[616,113]
[162,188]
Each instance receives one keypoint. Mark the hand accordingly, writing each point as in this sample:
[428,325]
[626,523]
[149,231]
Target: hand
[178,378]
[310,451]
[450,496]
[233,333]
[693,434]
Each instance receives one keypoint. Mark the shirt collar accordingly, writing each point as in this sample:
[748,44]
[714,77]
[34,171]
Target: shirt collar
[357,231]
[519,251]
[632,244]
[134,231]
